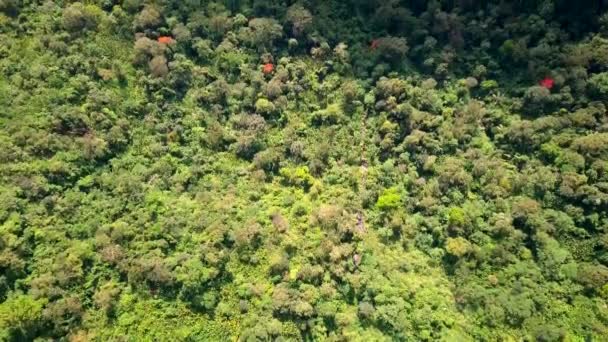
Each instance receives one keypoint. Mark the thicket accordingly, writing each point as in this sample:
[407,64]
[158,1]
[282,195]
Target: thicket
[314,170]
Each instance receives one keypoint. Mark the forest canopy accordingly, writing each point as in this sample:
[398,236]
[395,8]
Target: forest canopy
[315,170]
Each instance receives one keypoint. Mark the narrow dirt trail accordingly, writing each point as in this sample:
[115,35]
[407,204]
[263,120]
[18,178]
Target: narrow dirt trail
[361,227]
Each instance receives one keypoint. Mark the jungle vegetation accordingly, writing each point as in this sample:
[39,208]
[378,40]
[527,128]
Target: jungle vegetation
[315,170]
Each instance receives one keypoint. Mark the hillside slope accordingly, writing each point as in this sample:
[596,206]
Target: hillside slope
[320,170]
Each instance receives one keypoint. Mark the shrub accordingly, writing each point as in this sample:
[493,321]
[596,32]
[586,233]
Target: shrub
[595,144]
[78,17]
[264,107]
[149,17]
[330,115]
[548,333]
[392,49]
[390,199]
[158,66]
[453,174]
[593,276]
[300,19]
[386,87]
[20,318]
[458,247]
[525,208]
[329,215]
[456,217]
[10,7]
[537,100]
[146,48]
[264,31]
[299,176]
[489,85]
[279,222]
[598,86]
[218,25]
[267,160]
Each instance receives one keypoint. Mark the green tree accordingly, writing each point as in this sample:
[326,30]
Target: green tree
[21,317]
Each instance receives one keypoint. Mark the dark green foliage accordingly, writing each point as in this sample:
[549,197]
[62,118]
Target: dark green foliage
[393,49]
[598,85]
[10,7]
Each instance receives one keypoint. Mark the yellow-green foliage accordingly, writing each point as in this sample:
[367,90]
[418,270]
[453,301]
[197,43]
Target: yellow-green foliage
[19,317]
[298,176]
[389,199]
[330,115]
[263,106]
[457,246]
[456,217]
[310,171]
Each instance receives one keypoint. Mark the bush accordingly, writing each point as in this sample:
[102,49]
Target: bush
[10,7]
[299,176]
[330,115]
[158,66]
[548,333]
[598,86]
[453,174]
[146,48]
[489,85]
[328,215]
[300,19]
[537,101]
[264,107]
[264,31]
[20,318]
[218,25]
[392,49]
[148,18]
[595,144]
[390,199]
[246,146]
[458,247]
[386,87]
[593,276]
[78,17]
[267,160]
[456,217]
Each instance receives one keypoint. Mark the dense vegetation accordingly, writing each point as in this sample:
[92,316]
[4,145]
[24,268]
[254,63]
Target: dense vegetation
[317,170]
